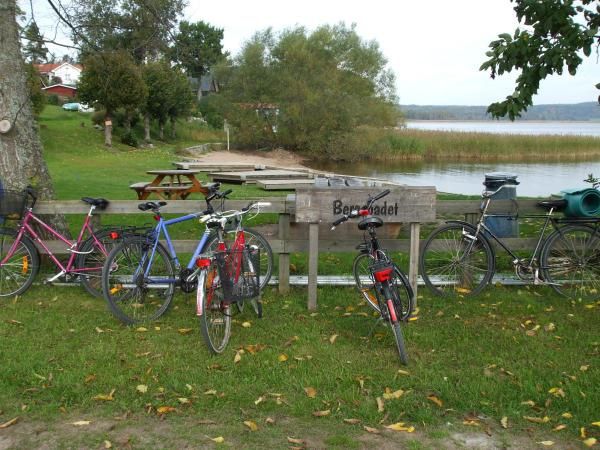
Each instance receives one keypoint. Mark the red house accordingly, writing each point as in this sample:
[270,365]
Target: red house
[61,90]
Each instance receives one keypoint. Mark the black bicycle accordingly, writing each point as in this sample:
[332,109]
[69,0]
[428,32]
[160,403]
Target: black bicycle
[381,282]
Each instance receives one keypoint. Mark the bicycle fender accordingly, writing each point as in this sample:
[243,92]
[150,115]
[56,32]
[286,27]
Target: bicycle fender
[200,293]
[462,222]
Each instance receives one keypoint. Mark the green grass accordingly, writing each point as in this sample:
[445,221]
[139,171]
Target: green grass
[480,357]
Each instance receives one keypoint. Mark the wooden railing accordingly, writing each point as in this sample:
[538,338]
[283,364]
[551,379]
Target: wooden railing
[291,237]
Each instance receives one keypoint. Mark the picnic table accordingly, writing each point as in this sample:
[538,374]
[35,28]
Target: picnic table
[171,184]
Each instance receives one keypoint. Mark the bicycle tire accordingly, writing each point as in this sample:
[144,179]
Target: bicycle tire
[570,261]
[131,296]
[255,301]
[400,346]
[363,279]
[215,320]
[19,271]
[251,237]
[93,257]
[448,270]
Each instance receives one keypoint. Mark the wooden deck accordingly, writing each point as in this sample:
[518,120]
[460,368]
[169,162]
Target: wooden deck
[252,176]
[274,185]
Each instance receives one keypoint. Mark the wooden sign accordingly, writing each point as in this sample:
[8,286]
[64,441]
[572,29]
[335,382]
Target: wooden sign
[402,205]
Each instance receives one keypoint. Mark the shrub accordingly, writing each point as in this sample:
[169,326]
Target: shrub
[130,139]
[53,100]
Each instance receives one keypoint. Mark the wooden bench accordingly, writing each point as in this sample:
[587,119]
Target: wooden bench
[139,188]
[167,192]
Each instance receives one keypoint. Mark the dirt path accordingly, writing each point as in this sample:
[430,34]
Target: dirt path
[279,158]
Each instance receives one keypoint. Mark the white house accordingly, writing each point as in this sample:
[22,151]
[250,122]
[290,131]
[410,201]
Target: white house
[68,73]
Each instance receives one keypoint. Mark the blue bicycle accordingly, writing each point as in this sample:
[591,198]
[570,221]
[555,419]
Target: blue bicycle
[140,275]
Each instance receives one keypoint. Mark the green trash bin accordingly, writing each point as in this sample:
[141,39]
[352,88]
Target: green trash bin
[581,202]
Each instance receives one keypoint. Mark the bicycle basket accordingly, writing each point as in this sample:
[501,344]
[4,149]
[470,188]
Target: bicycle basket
[239,271]
[12,204]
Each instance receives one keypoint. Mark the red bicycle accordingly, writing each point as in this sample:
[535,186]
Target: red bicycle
[20,258]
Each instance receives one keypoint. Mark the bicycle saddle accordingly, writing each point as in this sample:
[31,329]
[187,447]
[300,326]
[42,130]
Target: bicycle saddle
[151,205]
[212,187]
[370,221]
[556,204]
[100,203]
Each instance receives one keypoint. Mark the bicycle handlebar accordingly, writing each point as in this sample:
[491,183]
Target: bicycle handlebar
[378,196]
[355,213]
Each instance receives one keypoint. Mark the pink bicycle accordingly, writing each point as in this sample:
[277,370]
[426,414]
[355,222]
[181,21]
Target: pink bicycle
[20,258]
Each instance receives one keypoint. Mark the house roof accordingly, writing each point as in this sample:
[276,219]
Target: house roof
[66,86]
[47,68]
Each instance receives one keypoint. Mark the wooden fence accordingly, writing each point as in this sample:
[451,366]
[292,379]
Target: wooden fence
[291,236]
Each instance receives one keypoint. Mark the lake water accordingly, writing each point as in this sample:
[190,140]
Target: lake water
[507,127]
[536,179]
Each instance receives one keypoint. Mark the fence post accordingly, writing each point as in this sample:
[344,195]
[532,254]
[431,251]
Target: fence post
[313,264]
[284,255]
[413,270]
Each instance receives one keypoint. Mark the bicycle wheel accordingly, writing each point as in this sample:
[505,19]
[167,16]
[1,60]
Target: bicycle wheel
[402,294]
[399,337]
[252,238]
[453,263]
[571,262]
[249,277]
[137,286]
[215,321]
[19,270]
[90,263]
[364,279]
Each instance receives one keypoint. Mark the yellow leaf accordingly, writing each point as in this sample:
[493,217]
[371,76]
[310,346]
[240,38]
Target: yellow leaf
[185,330]
[259,400]
[559,427]
[165,409]
[434,399]
[246,324]
[107,444]
[352,421]
[218,439]
[567,415]
[544,419]
[251,425]
[270,421]
[504,422]
[582,433]
[141,330]
[590,442]
[311,392]
[584,368]
[142,388]
[403,372]
[547,443]
[332,338]
[321,413]
[105,397]
[9,423]
[380,404]
[282,357]
[596,424]
[296,441]
[399,426]
[528,403]
[392,395]
[237,358]
[81,423]
[557,392]
[183,400]
[210,392]
[371,430]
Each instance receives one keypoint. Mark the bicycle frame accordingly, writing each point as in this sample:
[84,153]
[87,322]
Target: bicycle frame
[26,228]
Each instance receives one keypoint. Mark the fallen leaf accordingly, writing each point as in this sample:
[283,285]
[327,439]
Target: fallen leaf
[185,330]
[321,413]
[282,357]
[504,422]
[210,392]
[165,409]
[89,379]
[332,338]
[557,392]
[107,444]
[559,427]
[296,441]
[399,426]
[544,419]
[380,404]
[582,433]
[567,415]
[528,403]
[546,443]
[259,400]
[99,330]
[311,392]
[584,368]
[183,400]
[141,330]
[251,425]
[290,341]
[246,324]
[270,421]
[392,395]
[596,424]
[352,421]
[81,423]
[403,372]
[142,388]
[218,439]
[371,430]
[590,442]
[9,423]
[237,358]
[105,397]
[434,399]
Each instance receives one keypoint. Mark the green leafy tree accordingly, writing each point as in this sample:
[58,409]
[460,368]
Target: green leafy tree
[319,87]
[35,50]
[158,82]
[182,99]
[114,81]
[197,47]
[554,34]
[34,84]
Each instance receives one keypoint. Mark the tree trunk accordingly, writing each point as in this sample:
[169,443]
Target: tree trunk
[21,160]
[161,130]
[147,128]
[107,128]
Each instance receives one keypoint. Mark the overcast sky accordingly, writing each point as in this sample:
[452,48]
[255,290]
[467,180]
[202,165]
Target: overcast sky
[435,48]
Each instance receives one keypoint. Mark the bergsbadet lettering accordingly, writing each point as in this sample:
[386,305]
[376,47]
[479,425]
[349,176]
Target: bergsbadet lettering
[382,209]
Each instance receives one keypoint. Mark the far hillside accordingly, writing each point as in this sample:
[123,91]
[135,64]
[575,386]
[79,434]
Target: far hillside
[588,111]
